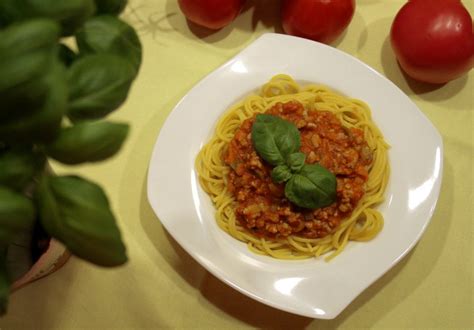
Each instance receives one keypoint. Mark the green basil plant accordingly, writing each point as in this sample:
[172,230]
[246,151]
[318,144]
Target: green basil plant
[64,67]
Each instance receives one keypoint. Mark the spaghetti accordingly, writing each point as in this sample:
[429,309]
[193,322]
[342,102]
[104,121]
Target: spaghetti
[362,224]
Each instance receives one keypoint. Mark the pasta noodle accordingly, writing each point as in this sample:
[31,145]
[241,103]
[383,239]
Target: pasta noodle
[364,223]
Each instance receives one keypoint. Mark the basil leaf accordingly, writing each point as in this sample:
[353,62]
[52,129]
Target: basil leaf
[108,34]
[113,7]
[274,139]
[19,166]
[296,161]
[76,212]
[313,187]
[43,124]
[70,14]
[88,142]
[281,173]
[17,213]
[98,85]
[27,52]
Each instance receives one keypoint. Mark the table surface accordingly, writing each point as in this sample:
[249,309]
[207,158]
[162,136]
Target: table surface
[163,287]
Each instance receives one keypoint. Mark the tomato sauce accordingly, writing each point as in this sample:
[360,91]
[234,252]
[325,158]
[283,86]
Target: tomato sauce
[261,205]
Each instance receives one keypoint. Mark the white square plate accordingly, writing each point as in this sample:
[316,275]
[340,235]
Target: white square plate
[312,288]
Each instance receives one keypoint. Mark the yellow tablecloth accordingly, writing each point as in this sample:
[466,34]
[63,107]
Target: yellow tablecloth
[163,287]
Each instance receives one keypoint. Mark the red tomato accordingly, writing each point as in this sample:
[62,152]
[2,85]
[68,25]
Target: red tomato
[213,14]
[319,20]
[433,40]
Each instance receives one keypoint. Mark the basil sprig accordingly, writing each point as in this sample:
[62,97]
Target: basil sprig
[278,141]
[54,94]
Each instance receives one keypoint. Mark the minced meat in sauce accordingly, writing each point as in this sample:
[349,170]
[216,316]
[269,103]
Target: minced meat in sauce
[261,206]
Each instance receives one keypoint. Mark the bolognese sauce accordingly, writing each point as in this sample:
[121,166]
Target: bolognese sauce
[261,205]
